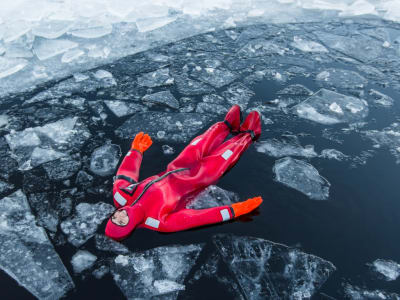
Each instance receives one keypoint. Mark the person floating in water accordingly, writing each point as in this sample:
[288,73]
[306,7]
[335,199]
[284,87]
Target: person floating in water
[158,202]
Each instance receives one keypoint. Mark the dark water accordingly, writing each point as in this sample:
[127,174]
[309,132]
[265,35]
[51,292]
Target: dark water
[357,224]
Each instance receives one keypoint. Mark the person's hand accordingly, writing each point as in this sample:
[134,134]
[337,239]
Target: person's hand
[247,206]
[141,142]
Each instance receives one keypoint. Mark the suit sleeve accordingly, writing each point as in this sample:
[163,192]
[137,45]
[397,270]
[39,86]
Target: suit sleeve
[130,165]
[190,218]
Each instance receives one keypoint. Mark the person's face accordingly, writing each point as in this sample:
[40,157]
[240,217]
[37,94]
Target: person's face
[120,217]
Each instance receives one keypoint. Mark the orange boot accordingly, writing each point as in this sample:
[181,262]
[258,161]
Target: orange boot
[247,206]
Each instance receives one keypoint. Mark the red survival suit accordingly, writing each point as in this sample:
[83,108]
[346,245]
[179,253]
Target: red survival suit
[157,202]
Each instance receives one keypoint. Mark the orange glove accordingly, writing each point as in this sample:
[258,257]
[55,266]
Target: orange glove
[247,206]
[141,142]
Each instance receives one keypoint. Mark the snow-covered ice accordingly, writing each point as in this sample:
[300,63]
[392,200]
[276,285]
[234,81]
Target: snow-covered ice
[388,268]
[301,176]
[328,107]
[82,260]
[26,254]
[105,159]
[288,145]
[158,272]
[83,225]
[164,126]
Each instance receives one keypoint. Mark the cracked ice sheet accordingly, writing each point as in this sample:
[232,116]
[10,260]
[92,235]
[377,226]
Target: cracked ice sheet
[83,225]
[301,176]
[154,273]
[35,146]
[289,145]
[163,126]
[267,270]
[26,253]
[328,107]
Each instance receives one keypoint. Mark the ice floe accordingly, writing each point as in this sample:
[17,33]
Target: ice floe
[164,98]
[301,176]
[83,225]
[82,260]
[105,159]
[328,107]
[288,145]
[388,268]
[26,254]
[212,196]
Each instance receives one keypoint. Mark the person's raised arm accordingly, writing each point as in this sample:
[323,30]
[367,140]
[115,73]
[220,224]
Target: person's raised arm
[129,168]
[190,218]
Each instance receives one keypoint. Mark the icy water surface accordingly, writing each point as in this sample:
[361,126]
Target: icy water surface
[327,167]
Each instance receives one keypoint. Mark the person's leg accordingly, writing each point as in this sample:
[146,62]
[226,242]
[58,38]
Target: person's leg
[205,143]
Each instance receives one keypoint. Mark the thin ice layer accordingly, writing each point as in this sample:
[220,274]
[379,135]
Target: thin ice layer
[301,176]
[83,225]
[289,145]
[163,126]
[26,254]
[158,272]
[212,196]
[266,270]
[35,146]
[328,107]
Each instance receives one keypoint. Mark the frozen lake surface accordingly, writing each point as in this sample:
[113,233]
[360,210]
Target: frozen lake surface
[327,165]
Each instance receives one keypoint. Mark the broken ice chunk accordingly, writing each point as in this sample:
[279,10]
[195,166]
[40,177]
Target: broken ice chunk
[82,260]
[266,270]
[71,55]
[212,196]
[167,150]
[104,243]
[44,208]
[351,46]
[51,29]
[105,159]
[261,47]
[38,145]
[5,187]
[149,24]
[153,273]
[307,45]
[162,98]
[92,32]
[388,268]
[100,272]
[389,137]
[356,293]
[26,254]
[45,49]
[380,98]
[9,66]
[288,146]
[211,108]
[121,108]
[301,176]
[62,168]
[333,154]
[177,127]
[215,77]
[157,78]
[295,90]
[83,225]
[327,107]
[341,79]
[238,93]
[187,86]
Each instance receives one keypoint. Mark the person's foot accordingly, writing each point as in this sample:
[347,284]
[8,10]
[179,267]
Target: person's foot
[252,124]
[233,119]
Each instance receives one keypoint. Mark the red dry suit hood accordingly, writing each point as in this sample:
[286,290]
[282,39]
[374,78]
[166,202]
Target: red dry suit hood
[118,232]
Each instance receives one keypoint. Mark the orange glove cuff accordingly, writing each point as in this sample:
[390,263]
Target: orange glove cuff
[247,206]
